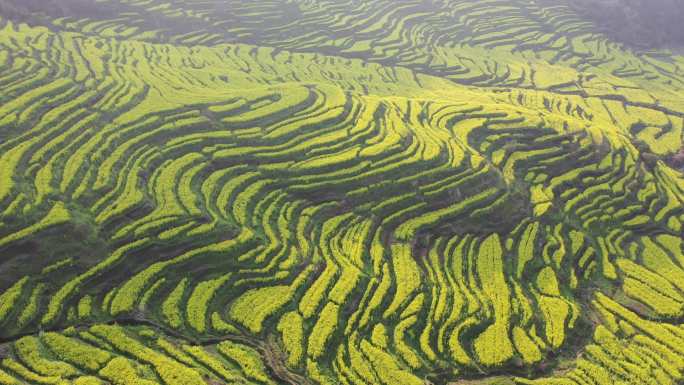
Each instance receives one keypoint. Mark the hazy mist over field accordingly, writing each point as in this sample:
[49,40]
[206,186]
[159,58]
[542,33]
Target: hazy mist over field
[645,24]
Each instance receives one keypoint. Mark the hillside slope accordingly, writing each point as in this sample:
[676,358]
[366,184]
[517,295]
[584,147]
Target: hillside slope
[316,192]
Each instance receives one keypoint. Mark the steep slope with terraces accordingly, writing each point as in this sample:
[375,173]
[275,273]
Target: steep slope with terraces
[323,192]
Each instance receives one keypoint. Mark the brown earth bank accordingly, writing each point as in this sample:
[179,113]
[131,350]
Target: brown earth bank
[677,160]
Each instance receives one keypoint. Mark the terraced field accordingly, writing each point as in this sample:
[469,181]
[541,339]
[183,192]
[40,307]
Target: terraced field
[322,192]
